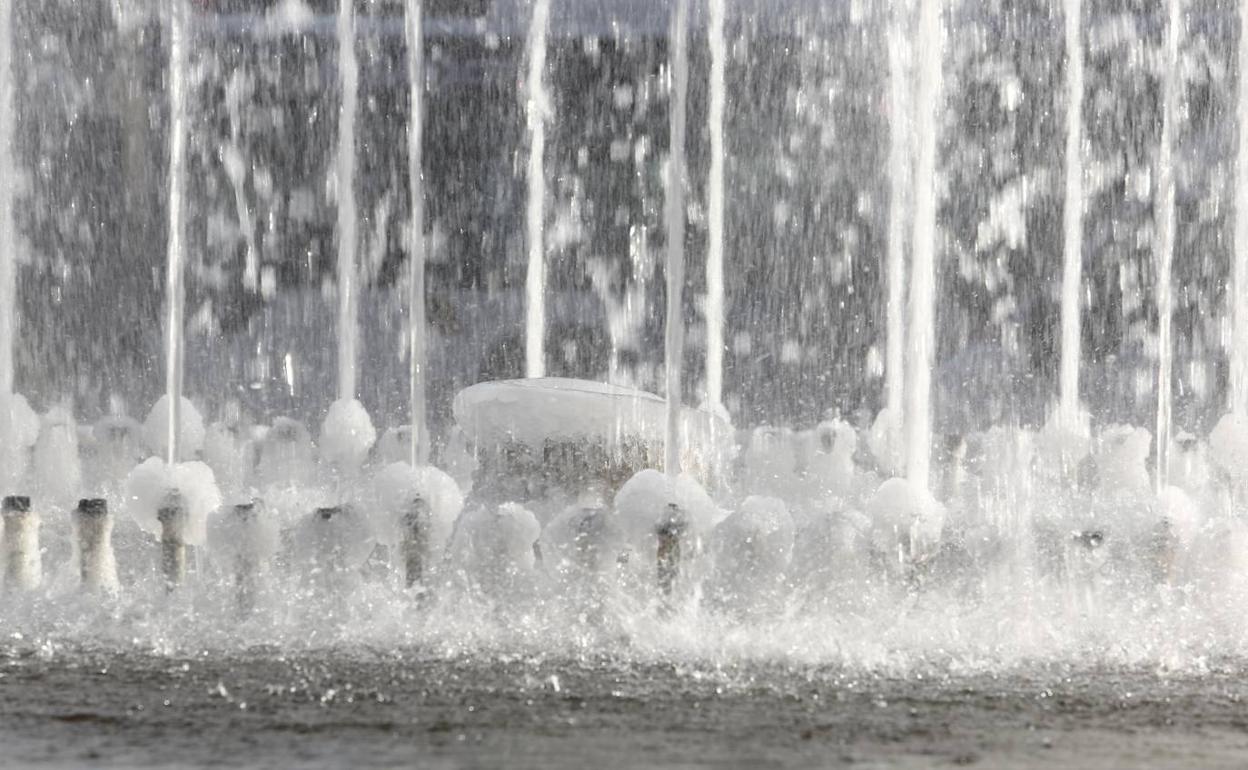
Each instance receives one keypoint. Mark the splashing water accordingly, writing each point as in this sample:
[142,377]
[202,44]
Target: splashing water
[347,235]
[8,170]
[899,180]
[798,547]
[1238,392]
[1164,214]
[417,345]
[715,207]
[175,292]
[537,107]
[1072,220]
[922,331]
[674,215]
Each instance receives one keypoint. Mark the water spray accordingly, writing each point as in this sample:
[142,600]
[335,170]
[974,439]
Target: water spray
[674,217]
[416,333]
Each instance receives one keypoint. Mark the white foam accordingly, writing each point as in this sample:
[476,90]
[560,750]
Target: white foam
[901,510]
[230,536]
[56,465]
[285,456]
[19,429]
[642,503]
[1229,447]
[397,484]
[148,486]
[769,461]
[1122,461]
[191,429]
[886,444]
[493,548]
[347,435]
[227,454]
[830,467]
[582,543]
[751,550]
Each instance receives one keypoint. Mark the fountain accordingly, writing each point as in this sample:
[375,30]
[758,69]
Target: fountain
[928,457]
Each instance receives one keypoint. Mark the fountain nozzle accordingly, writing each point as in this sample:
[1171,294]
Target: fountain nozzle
[97,565]
[23,565]
[172,516]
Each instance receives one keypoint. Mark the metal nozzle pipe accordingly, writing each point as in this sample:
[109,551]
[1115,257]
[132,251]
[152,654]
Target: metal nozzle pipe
[416,522]
[670,532]
[97,565]
[172,516]
[23,564]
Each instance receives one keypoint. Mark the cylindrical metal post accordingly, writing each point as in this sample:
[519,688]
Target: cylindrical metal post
[97,565]
[172,517]
[670,531]
[23,567]
[246,563]
[416,522]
